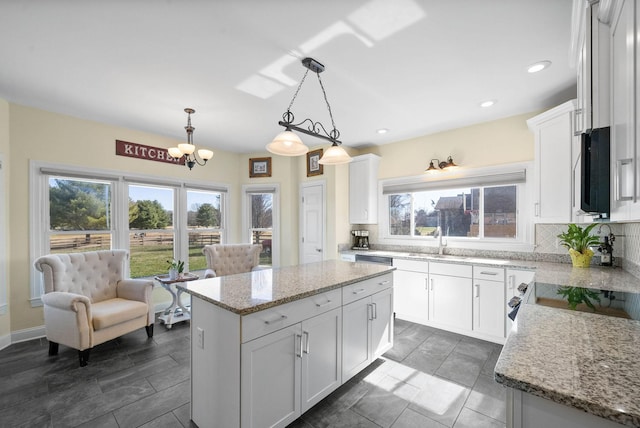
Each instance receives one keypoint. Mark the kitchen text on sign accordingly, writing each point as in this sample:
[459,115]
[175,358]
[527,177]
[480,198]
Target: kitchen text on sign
[140,151]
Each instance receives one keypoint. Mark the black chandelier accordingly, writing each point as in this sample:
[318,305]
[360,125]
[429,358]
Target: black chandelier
[288,143]
[187,149]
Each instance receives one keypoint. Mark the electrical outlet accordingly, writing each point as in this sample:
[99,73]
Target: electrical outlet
[200,338]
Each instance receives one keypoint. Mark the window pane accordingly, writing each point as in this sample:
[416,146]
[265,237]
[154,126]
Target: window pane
[400,214]
[79,205]
[78,243]
[150,252]
[456,210]
[425,217]
[151,237]
[150,207]
[197,240]
[500,219]
[203,209]
[263,237]
[261,210]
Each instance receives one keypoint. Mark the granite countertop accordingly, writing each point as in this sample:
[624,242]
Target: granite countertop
[250,292]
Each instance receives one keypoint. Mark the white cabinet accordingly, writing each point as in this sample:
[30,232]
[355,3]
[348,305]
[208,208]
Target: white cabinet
[553,182]
[450,302]
[271,368]
[624,163]
[411,290]
[488,302]
[367,331]
[363,189]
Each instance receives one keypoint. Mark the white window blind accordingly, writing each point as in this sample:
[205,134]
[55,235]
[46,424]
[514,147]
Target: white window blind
[513,177]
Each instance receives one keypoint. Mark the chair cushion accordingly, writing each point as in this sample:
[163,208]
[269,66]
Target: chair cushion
[115,311]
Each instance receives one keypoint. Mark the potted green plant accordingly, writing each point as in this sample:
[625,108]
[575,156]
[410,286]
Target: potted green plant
[577,295]
[578,240]
[176,268]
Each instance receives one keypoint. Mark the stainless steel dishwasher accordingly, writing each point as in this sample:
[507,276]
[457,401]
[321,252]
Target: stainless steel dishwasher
[373,259]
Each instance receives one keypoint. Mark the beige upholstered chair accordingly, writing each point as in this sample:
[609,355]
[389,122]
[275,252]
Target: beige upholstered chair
[228,259]
[87,301]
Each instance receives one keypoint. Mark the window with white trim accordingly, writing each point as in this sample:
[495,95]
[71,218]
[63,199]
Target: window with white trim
[479,207]
[156,220]
[261,207]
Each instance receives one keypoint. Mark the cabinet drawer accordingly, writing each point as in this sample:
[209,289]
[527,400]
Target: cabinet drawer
[272,319]
[358,290]
[451,269]
[488,273]
[411,265]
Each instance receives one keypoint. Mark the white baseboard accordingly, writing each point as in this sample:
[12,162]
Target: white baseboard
[5,341]
[28,334]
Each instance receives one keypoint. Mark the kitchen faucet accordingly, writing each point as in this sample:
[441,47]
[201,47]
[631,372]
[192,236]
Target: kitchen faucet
[438,234]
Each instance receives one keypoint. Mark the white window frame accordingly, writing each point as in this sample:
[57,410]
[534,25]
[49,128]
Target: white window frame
[247,190]
[39,210]
[524,239]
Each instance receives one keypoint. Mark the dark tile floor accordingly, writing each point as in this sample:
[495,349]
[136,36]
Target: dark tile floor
[430,378]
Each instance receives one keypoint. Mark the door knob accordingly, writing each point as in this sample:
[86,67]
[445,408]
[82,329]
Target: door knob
[319,250]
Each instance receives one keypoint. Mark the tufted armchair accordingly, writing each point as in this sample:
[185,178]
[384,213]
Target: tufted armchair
[87,301]
[228,259]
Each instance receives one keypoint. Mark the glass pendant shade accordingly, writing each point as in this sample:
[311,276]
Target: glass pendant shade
[287,144]
[335,155]
[175,152]
[205,154]
[187,148]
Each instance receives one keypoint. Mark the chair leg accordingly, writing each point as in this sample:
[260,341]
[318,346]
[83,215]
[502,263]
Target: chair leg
[53,348]
[149,329]
[84,357]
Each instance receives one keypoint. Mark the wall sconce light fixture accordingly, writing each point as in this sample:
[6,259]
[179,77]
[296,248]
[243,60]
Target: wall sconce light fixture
[448,164]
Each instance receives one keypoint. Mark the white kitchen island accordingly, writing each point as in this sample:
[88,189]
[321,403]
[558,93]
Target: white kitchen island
[268,345]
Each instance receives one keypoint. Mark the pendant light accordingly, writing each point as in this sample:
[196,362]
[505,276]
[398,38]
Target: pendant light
[287,143]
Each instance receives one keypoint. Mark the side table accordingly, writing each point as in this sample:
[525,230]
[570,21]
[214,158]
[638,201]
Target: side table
[176,312]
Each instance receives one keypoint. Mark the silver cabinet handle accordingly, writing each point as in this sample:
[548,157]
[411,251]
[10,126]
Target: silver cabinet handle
[477,290]
[512,281]
[484,272]
[299,349]
[536,209]
[618,192]
[281,318]
[369,311]
[306,335]
[426,284]
[359,290]
[431,281]
[384,282]
[322,305]
[375,311]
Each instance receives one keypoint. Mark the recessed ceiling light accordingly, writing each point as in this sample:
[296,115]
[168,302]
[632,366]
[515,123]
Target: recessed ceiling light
[382,131]
[487,103]
[538,66]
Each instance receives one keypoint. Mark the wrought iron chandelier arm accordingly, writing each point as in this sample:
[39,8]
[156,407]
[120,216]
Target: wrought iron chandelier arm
[314,129]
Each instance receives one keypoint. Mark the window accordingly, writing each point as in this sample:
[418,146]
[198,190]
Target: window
[261,208]
[75,210]
[468,212]
[476,205]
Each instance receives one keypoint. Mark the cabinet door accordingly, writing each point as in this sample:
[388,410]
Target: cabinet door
[356,338]
[363,189]
[411,296]
[271,368]
[489,307]
[450,301]
[622,97]
[515,278]
[321,357]
[382,322]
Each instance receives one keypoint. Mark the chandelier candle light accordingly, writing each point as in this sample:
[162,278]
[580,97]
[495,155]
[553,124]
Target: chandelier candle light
[187,149]
[288,143]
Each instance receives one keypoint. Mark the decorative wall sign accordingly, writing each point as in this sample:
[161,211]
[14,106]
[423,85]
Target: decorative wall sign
[260,167]
[140,151]
[314,167]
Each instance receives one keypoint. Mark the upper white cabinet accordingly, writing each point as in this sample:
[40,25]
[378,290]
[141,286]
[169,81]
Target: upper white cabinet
[592,49]
[363,189]
[624,83]
[553,183]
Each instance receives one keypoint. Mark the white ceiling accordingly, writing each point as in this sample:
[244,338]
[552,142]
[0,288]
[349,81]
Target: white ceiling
[415,67]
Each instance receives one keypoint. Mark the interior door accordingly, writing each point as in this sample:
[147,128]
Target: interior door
[312,239]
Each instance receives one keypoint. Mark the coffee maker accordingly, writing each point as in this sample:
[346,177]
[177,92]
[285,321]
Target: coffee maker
[360,239]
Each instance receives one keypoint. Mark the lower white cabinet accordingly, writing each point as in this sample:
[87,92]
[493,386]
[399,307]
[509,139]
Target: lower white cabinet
[295,368]
[450,303]
[411,290]
[373,315]
[488,302]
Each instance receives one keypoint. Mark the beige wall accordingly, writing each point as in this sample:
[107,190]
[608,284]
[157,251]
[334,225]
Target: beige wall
[491,143]
[5,325]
